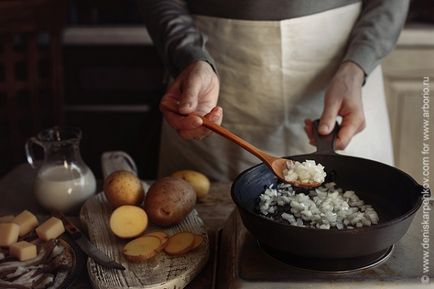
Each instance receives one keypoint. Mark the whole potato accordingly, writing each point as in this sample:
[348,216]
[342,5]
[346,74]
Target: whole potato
[123,188]
[169,200]
[197,180]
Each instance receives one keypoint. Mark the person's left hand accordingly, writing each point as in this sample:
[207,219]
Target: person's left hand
[344,98]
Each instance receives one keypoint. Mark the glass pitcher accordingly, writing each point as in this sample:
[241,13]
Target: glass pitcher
[63,181]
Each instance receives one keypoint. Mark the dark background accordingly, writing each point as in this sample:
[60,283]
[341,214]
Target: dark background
[126,12]
[110,91]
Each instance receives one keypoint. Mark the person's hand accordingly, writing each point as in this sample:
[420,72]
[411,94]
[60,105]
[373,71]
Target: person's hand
[344,98]
[196,91]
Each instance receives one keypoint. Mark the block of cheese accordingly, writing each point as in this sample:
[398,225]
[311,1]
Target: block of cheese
[9,233]
[6,219]
[27,222]
[23,250]
[50,229]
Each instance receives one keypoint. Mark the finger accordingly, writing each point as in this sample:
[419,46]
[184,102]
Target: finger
[328,117]
[170,100]
[190,93]
[215,115]
[351,125]
[168,104]
[181,122]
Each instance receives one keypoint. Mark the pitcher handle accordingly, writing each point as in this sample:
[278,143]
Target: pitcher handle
[30,156]
[325,144]
[117,160]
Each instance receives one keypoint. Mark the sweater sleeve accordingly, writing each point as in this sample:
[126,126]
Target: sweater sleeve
[376,32]
[172,29]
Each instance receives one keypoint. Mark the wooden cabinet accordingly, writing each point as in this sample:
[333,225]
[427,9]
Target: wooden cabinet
[30,73]
[113,84]
[409,78]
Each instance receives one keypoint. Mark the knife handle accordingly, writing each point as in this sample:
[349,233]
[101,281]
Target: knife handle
[73,231]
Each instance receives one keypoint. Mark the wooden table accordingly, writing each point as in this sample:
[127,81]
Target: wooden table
[16,195]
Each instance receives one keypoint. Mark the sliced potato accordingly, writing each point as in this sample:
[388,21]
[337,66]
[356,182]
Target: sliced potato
[159,234]
[198,240]
[180,243]
[128,221]
[142,248]
[162,236]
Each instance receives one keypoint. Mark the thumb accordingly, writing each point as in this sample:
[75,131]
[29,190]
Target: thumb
[190,93]
[328,117]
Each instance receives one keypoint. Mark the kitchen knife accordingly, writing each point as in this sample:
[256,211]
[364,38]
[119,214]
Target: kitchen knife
[88,248]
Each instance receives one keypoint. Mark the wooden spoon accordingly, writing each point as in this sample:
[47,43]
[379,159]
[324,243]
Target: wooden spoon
[276,164]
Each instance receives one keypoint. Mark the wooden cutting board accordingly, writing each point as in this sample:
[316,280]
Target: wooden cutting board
[163,271]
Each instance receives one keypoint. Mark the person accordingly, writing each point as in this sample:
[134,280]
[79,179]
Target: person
[271,67]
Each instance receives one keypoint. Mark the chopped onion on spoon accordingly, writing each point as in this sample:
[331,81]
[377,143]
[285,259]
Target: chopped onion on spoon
[304,173]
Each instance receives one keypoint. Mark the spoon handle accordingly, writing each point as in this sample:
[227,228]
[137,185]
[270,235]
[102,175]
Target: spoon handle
[236,139]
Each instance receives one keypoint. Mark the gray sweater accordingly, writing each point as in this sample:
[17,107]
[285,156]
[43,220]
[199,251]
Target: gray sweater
[172,28]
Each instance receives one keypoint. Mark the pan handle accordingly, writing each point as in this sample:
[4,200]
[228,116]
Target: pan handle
[325,144]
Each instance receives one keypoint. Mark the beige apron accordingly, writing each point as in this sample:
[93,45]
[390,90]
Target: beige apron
[273,75]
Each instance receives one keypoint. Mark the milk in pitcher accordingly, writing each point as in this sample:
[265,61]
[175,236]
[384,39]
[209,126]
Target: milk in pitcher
[63,180]
[63,187]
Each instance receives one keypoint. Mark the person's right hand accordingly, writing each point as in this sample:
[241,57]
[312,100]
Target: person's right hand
[196,91]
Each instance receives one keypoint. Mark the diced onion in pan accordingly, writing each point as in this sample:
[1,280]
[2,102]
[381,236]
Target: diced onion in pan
[324,207]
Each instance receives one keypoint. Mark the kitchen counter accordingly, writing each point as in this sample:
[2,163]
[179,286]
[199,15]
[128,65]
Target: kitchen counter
[16,194]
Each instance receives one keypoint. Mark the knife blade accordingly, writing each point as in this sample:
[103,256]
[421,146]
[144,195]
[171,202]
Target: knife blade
[88,247]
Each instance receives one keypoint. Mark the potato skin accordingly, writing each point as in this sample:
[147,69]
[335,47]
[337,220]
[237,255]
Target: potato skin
[197,180]
[169,200]
[123,188]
